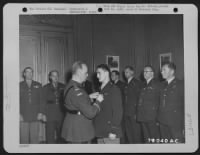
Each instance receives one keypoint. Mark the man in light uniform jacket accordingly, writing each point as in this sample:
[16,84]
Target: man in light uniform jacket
[78,126]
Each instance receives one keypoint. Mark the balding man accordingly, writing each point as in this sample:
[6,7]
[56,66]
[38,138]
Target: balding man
[78,126]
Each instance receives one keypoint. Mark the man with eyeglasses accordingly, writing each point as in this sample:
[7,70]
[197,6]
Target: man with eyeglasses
[148,105]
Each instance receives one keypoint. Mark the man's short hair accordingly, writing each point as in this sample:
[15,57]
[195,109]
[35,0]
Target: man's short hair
[130,68]
[116,72]
[170,65]
[53,72]
[77,65]
[104,67]
[25,70]
[150,66]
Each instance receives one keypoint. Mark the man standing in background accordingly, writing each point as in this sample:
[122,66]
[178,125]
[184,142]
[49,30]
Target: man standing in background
[78,126]
[115,76]
[53,104]
[108,120]
[148,106]
[171,108]
[132,92]
[30,108]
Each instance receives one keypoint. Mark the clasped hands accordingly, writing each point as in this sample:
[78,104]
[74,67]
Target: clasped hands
[99,97]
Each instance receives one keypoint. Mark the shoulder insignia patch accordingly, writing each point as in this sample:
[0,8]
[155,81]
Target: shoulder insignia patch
[76,89]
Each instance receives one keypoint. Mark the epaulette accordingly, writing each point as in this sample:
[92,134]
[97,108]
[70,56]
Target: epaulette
[65,95]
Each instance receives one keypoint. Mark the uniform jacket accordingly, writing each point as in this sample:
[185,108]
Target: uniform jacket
[30,99]
[110,116]
[121,85]
[148,101]
[52,100]
[171,108]
[132,92]
[78,128]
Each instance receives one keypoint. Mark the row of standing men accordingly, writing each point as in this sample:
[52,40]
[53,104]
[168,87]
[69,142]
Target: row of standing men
[134,112]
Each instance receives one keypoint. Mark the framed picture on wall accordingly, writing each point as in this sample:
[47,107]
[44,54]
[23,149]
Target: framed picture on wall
[112,62]
[165,58]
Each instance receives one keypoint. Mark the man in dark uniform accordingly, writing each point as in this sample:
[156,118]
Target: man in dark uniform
[115,76]
[148,106]
[132,91]
[78,126]
[171,108]
[30,108]
[108,120]
[52,103]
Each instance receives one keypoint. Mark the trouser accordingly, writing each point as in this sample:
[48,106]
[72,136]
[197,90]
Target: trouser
[123,139]
[133,130]
[172,133]
[53,132]
[29,132]
[150,131]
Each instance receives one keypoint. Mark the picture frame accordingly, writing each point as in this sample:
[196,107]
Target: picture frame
[112,62]
[165,58]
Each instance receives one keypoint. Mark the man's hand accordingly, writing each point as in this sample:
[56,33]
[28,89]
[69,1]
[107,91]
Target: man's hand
[112,135]
[39,116]
[100,98]
[94,95]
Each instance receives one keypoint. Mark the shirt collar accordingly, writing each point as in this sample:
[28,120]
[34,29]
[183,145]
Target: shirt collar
[129,80]
[148,81]
[116,81]
[170,80]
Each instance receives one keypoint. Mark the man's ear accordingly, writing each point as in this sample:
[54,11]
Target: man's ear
[173,72]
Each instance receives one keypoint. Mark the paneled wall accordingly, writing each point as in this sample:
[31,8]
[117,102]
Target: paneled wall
[137,39]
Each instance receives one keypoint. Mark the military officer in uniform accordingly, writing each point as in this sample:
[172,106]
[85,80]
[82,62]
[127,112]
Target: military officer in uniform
[132,92]
[53,98]
[115,76]
[148,106]
[108,121]
[171,108]
[78,126]
[30,108]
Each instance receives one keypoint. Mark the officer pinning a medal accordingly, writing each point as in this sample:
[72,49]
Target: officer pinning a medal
[78,126]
